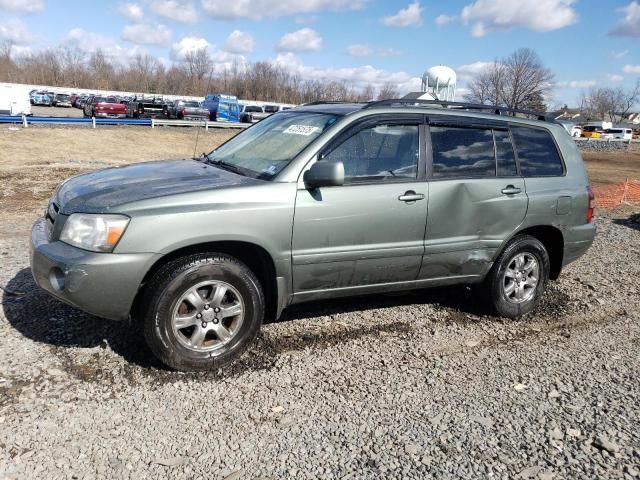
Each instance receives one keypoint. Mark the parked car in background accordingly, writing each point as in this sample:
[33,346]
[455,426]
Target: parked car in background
[618,133]
[320,202]
[186,110]
[41,98]
[252,113]
[592,131]
[144,107]
[61,100]
[222,107]
[576,131]
[106,107]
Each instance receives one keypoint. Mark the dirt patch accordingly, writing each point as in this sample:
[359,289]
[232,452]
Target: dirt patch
[612,167]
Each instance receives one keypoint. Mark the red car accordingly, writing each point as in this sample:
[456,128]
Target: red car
[106,107]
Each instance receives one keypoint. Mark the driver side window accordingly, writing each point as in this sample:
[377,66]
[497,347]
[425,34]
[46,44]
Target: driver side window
[378,153]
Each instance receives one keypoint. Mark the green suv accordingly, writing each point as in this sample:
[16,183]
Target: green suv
[322,201]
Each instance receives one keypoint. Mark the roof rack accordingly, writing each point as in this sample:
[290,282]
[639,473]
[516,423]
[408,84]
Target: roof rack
[495,109]
[327,102]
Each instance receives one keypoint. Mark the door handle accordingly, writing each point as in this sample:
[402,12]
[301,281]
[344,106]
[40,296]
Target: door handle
[411,196]
[511,190]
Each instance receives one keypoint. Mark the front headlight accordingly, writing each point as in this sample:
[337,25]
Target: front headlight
[98,233]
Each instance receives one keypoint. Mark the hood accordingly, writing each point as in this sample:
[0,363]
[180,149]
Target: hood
[103,190]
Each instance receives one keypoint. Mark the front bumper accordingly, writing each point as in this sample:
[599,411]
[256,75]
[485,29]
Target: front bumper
[103,284]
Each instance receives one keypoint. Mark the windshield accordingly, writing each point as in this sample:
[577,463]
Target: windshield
[252,109]
[191,104]
[263,150]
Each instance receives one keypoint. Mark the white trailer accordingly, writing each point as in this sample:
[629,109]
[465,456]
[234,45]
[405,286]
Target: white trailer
[14,100]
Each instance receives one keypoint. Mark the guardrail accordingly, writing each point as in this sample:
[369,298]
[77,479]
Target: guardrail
[25,121]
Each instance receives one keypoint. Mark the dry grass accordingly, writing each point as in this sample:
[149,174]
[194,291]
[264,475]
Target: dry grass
[36,159]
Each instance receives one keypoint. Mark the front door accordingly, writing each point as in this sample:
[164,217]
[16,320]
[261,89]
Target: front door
[369,231]
[477,199]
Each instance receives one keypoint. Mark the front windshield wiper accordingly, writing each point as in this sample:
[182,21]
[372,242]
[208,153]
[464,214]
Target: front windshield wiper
[226,166]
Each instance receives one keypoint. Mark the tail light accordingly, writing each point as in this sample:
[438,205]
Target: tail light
[213,116]
[592,204]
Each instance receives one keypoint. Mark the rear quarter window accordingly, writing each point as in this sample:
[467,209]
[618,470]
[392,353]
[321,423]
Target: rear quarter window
[537,152]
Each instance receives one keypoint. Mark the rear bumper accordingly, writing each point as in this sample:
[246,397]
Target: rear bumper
[577,241]
[110,115]
[103,284]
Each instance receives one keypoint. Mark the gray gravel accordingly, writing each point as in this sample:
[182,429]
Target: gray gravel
[589,145]
[421,385]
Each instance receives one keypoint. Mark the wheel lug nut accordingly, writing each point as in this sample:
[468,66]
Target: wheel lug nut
[206,307]
[199,315]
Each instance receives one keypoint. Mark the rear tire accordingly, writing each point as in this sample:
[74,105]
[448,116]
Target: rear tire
[516,282]
[202,311]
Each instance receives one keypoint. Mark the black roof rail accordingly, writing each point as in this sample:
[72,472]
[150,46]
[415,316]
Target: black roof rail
[495,109]
[327,102]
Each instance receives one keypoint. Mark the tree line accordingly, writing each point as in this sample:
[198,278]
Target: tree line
[71,67]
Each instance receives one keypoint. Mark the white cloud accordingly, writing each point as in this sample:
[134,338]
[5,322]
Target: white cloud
[631,69]
[131,11]
[576,84]
[360,50]
[363,50]
[468,71]
[538,15]
[147,34]
[613,77]
[410,16]
[258,9]
[90,42]
[303,40]
[629,26]
[177,10]
[221,60]
[618,55]
[356,76]
[239,42]
[444,19]
[15,32]
[26,6]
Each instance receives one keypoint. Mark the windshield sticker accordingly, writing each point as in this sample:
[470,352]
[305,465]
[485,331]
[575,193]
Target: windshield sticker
[305,130]
[271,170]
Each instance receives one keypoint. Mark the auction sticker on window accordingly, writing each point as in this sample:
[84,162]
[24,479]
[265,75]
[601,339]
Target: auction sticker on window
[305,130]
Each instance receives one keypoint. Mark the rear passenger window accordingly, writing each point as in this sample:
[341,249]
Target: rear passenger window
[537,152]
[462,152]
[506,159]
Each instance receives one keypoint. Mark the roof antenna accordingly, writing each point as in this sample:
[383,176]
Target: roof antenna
[195,147]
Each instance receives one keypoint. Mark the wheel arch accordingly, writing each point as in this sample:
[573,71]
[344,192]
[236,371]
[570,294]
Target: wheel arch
[256,258]
[552,239]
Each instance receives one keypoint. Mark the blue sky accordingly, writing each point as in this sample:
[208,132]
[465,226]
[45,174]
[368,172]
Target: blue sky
[584,42]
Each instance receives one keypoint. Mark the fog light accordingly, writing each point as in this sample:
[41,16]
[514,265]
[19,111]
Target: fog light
[57,279]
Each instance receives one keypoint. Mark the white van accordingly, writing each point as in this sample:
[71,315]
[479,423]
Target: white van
[14,101]
[618,133]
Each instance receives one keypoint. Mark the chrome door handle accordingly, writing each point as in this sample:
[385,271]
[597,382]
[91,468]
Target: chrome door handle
[511,190]
[411,196]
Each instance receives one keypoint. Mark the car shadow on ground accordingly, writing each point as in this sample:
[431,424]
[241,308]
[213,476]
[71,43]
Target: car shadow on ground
[633,221]
[41,318]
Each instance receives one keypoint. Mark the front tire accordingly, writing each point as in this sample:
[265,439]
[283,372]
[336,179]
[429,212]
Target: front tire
[202,311]
[517,279]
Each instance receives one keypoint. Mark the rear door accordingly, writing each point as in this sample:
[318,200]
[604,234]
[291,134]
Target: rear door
[369,231]
[477,197]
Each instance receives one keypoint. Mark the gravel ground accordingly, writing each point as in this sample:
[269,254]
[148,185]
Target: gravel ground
[421,385]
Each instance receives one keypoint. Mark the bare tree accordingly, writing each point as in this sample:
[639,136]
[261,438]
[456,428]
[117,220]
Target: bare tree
[610,103]
[388,90]
[518,81]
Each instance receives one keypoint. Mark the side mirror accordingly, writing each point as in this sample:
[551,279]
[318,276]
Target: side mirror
[324,174]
